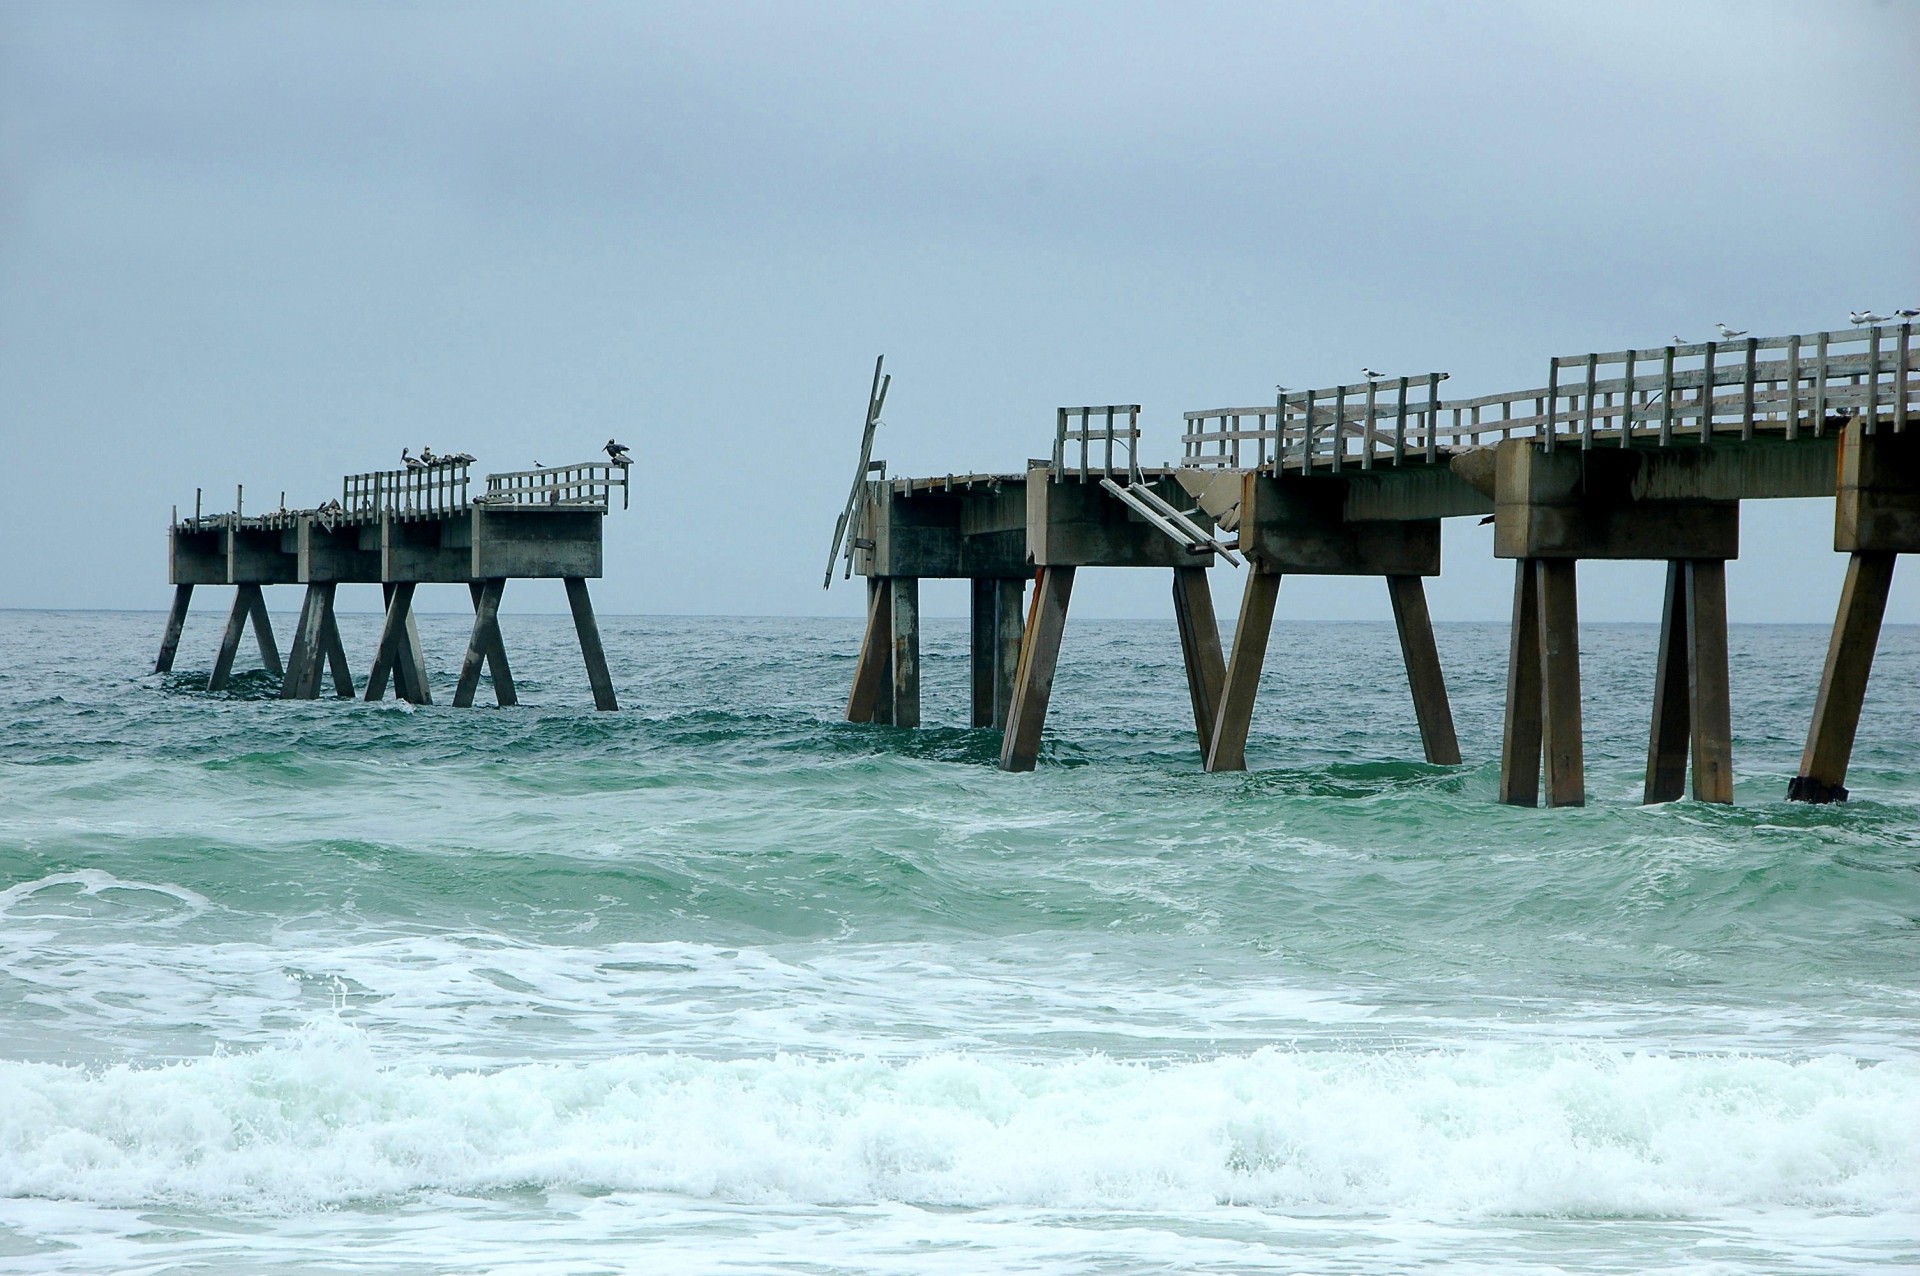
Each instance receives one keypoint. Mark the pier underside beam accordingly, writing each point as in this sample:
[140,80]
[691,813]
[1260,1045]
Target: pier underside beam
[1227,749]
[589,632]
[1039,656]
[399,652]
[248,605]
[1843,682]
[485,647]
[1424,679]
[176,621]
[1199,650]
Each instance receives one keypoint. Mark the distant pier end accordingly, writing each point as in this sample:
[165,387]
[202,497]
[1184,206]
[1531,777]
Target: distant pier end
[400,529]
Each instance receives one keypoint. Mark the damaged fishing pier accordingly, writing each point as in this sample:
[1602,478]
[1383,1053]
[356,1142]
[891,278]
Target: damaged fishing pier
[1635,454]
[400,529]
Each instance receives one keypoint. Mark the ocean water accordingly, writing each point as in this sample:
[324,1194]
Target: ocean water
[721,983]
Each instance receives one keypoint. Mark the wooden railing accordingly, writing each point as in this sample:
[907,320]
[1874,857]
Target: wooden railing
[1805,383]
[1102,430]
[587,483]
[440,490]
[431,491]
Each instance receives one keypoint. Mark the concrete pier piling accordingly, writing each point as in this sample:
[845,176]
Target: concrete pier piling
[401,529]
[1631,455]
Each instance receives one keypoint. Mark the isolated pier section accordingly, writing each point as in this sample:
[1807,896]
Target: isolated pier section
[400,529]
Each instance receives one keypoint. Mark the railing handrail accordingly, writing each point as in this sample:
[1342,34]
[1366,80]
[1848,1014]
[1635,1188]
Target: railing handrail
[1644,394]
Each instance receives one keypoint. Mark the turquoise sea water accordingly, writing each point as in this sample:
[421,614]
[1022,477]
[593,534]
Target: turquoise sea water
[721,983]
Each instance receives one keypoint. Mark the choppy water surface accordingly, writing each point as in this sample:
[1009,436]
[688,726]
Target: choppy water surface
[721,983]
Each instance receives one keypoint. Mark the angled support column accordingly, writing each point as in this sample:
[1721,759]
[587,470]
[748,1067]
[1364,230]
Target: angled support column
[176,621]
[1009,627]
[906,650]
[590,649]
[1422,658]
[399,653]
[336,656]
[230,640]
[1843,683]
[485,647]
[1199,650]
[1520,740]
[1672,728]
[871,697]
[1039,655]
[263,630]
[247,604]
[1560,728]
[308,654]
[1227,750]
[1709,692]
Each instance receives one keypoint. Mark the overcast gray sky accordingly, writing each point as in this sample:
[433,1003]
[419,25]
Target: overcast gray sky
[273,243]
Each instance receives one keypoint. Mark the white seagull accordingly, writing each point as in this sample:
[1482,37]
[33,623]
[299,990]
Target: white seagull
[1728,334]
[1909,312]
[1861,317]
[1679,340]
[1371,375]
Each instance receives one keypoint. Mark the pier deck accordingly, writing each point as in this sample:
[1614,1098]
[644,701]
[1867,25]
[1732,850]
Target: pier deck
[1634,454]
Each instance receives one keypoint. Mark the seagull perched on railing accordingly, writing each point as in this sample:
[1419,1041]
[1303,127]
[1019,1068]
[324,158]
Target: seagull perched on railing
[1863,317]
[1679,340]
[617,452]
[1910,312]
[1728,334]
[1371,375]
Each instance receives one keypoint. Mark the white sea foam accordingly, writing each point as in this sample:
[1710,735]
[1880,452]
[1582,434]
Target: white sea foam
[1561,1131]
